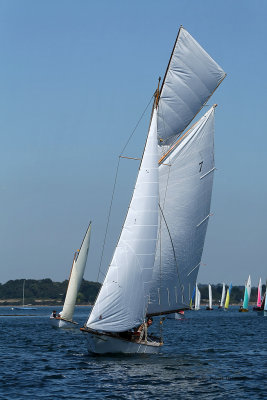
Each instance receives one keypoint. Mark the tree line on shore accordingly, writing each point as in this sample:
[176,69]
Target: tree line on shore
[45,291]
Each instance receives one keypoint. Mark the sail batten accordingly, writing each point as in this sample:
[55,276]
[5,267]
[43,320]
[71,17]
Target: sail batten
[191,78]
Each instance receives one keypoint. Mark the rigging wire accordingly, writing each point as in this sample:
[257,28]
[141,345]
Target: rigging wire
[114,185]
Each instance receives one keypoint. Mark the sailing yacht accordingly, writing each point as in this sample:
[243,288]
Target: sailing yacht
[259,306]
[265,302]
[227,300]
[209,307]
[64,318]
[244,308]
[23,301]
[198,299]
[223,297]
[157,258]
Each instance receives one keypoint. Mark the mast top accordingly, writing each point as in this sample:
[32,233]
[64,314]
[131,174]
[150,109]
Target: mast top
[157,93]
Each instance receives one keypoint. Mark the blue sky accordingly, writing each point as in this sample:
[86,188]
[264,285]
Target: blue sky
[75,76]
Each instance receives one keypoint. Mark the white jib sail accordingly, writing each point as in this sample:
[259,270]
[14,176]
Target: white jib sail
[223,295]
[186,177]
[210,297]
[122,301]
[76,277]
[191,78]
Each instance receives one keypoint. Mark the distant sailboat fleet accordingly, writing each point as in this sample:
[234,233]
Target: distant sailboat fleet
[225,298]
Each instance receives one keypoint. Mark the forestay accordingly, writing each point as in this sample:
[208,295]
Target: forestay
[191,78]
[186,177]
[76,277]
[122,301]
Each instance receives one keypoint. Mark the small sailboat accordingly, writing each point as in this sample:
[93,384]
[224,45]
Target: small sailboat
[227,300]
[192,298]
[265,302]
[157,258]
[23,301]
[198,299]
[64,318]
[223,296]
[209,307]
[244,308]
[258,307]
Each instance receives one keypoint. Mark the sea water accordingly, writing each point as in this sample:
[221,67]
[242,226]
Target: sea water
[208,355]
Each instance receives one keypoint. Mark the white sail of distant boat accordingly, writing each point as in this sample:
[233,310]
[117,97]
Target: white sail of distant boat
[156,261]
[223,296]
[244,308]
[209,307]
[197,299]
[265,301]
[23,307]
[64,319]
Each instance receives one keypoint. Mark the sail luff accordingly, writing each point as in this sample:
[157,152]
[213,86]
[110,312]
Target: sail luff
[77,272]
[122,301]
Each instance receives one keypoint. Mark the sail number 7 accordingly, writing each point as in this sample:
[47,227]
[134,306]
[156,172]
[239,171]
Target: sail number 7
[200,166]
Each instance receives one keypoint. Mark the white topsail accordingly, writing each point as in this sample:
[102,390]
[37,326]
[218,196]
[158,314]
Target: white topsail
[191,78]
[122,301]
[76,277]
[186,177]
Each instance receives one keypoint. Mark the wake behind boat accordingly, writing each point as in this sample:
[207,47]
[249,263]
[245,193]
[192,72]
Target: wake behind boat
[157,258]
[64,318]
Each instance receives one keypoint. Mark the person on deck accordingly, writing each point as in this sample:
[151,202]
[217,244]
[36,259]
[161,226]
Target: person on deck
[147,324]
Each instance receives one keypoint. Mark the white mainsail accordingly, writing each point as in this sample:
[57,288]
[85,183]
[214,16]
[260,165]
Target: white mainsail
[76,277]
[223,295]
[186,177]
[210,297]
[191,78]
[122,301]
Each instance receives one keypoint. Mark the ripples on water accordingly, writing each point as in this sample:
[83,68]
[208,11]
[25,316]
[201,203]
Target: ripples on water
[210,354]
